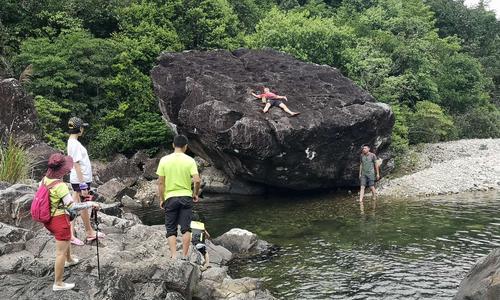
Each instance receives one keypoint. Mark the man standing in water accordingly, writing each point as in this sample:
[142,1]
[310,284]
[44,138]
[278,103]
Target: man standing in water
[175,172]
[367,169]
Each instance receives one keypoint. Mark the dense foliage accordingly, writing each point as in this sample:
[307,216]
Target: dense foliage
[436,62]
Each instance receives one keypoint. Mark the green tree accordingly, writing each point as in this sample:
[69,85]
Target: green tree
[480,122]
[313,39]
[429,124]
[51,115]
[207,24]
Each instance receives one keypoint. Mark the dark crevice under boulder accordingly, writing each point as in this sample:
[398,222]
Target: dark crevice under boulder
[206,94]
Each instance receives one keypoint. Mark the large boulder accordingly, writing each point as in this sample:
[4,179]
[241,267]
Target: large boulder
[206,94]
[18,115]
[483,280]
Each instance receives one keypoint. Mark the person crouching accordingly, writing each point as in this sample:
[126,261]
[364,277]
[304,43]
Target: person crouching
[61,204]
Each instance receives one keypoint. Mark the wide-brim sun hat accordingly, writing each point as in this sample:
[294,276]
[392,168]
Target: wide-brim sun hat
[59,165]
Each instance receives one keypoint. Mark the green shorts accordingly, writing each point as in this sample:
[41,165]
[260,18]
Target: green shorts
[368,181]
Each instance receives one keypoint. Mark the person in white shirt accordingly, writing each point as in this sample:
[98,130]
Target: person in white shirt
[80,176]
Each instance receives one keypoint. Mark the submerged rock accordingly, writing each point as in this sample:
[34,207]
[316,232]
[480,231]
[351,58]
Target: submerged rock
[483,280]
[206,94]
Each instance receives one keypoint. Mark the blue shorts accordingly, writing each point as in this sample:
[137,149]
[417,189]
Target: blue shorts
[368,181]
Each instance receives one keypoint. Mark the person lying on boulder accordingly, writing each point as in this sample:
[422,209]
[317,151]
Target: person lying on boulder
[271,99]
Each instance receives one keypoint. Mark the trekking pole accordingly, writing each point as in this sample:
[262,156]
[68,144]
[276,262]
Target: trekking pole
[96,221]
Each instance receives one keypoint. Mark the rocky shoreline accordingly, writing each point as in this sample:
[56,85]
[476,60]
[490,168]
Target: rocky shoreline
[134,260]
[447,168]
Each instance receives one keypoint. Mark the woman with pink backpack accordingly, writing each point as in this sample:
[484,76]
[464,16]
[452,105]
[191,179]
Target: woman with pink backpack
[61,205]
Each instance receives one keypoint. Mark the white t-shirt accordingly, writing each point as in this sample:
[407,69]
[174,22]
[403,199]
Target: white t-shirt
[79,155]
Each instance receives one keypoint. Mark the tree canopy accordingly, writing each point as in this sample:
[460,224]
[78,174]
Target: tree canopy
[436,62]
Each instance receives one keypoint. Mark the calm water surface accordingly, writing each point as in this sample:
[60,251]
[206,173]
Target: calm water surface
[331,248]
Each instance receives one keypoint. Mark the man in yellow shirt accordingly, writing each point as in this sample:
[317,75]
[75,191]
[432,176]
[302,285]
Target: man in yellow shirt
[175,173]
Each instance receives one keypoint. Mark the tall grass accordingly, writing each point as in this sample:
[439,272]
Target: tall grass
[15,164]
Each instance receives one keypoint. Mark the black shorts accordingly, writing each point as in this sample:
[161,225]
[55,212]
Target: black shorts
[76,187]
[273,102]
[178,212]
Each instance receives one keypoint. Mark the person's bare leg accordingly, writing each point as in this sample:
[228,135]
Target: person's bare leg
[172,244]
[361,193]
[89,231]
[374,192]
[362,207]
[285,108]
[61,255]
[186,240]
[267,107]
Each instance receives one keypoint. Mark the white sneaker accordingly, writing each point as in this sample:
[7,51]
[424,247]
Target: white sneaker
[75,261]
[64,287]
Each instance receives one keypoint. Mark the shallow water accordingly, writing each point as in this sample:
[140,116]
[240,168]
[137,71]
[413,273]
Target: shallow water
[331,248]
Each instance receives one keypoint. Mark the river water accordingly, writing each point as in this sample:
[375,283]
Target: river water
[330,247]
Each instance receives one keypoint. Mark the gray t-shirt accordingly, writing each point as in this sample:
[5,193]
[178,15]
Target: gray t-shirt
[368,164]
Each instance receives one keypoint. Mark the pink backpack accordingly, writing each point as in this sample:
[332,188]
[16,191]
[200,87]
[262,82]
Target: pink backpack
[40,207]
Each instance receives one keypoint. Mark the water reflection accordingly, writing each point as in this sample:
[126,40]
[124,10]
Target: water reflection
[333,247]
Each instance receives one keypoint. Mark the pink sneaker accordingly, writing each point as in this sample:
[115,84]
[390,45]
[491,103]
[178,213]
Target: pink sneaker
[77,242]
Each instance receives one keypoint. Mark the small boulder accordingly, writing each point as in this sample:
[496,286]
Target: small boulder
[483,280]
[242,242]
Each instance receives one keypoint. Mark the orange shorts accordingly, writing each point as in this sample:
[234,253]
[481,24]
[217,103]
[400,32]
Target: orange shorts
[59,227]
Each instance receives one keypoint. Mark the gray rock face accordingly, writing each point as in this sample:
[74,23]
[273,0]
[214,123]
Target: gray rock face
[206,94]
[18,115]
[217,182]
[119,167]
[483,281]
[115,189]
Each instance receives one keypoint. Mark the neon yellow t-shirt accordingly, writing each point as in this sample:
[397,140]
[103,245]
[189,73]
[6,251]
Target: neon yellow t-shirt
[56,194]
[177,168]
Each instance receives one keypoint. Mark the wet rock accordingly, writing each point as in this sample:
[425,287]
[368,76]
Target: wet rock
[206,95]
[483,280]
[241,241]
